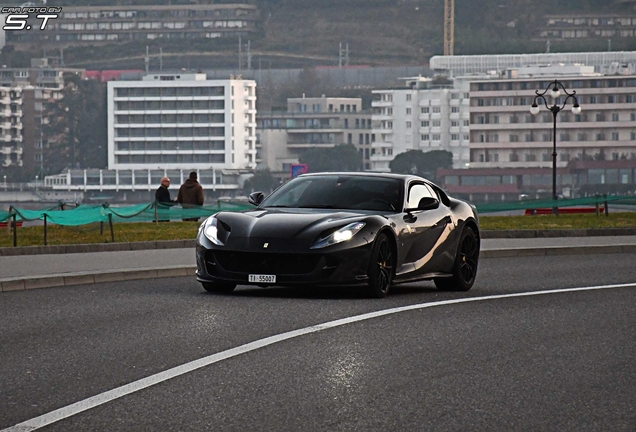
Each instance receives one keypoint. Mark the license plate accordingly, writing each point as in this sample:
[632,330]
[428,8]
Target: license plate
[262,278]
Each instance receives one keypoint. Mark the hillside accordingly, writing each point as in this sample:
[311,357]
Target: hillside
[301,33]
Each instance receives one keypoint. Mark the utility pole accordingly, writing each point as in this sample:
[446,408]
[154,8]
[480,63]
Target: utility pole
[249,55]
[240,54]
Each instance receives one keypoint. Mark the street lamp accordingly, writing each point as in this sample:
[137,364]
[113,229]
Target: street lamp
[555,89]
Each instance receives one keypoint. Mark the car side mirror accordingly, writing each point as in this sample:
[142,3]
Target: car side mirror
[256,198]
[428,203]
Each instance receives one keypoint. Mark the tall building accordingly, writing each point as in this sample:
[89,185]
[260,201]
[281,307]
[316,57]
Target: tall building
[173,121]
[90,25]
[314,122]
[504,133]
[11,133]
[424,115]
[34,87]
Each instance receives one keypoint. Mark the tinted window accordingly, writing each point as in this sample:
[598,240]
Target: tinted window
[340,192]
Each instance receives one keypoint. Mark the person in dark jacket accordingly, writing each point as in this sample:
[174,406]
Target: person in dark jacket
[162,195]
[190,193]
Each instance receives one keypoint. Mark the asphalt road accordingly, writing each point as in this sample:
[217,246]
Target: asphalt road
[563,361]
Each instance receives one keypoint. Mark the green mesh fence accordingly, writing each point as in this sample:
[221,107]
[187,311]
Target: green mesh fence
[549,203]
[86,214]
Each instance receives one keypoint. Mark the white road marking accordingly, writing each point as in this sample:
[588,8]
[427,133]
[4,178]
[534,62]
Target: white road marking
[100,399]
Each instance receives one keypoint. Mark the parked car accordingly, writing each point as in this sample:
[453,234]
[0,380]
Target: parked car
[366,229]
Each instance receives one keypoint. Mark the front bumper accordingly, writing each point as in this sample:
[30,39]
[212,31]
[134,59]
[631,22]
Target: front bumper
[338,266]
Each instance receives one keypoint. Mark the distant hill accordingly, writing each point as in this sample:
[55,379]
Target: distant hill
[301,33]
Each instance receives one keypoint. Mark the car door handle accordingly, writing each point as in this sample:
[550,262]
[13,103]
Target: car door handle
[445,221]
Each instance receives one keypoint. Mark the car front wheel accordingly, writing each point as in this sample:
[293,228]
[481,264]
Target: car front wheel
[381,267]
[465,266]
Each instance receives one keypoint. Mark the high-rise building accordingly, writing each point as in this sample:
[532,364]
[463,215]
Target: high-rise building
[424,115]
[175,121]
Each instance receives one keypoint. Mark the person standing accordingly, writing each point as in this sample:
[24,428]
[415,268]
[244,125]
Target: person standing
[162,195]
[191,193]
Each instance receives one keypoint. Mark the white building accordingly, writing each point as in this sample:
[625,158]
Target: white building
[170,121]
[425,115]
[10,126]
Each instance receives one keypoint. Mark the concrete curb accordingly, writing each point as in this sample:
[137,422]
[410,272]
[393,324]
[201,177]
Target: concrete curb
[84,278]
[592,232]
[98,247]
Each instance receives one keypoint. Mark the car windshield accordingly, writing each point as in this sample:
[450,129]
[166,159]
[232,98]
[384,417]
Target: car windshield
[340,192]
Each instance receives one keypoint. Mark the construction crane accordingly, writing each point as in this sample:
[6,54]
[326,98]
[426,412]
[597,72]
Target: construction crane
[449,27]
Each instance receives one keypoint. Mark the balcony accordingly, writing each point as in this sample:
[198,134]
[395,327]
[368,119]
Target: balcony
[309,145]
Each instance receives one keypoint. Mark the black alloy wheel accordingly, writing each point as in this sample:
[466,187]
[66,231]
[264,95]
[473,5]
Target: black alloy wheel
[381,267]
[218,287]
[465,266]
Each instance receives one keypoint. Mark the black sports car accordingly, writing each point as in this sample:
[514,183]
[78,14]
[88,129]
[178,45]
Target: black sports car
[342,229]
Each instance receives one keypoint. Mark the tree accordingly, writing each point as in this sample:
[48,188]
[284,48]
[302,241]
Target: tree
[420,163]
[343,157]
[76,132]
[262,181]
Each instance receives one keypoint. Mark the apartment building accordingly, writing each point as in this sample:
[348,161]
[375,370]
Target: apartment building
[504,134]
[11,128]
[511,149]
[425,115]
[181,121]
[588,26]
[314,122]
[37,85]
[90,25]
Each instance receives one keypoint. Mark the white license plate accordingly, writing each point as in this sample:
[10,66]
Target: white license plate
[262,278]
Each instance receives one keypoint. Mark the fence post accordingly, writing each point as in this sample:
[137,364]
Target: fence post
[606,206]
[45,231]
[598,210]
[112,232]
[15,230]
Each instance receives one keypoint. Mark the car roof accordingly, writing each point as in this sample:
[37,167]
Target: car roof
[404,177]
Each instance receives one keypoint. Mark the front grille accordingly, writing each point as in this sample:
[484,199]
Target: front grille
[266,263]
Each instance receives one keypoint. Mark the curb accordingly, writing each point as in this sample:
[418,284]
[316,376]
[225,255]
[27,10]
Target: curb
[591,232]
[98,247]
[85,278]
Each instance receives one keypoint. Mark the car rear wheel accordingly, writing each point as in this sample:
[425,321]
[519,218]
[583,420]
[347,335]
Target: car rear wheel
[465,266]
[381,267]
[218,287]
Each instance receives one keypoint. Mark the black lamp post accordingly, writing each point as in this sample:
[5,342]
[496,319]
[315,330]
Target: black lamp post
[555,92]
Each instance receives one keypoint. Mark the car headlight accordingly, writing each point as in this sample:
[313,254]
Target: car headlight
[343,234]
[211,231]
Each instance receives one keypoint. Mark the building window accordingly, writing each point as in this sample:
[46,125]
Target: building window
[408,98]
[425,123]
[408,111]
[424,110]
[408,125]
[614,136]
[436,110]
[437,123]
[425,137]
